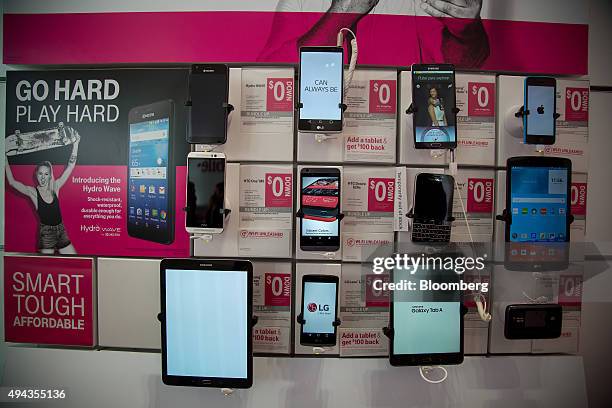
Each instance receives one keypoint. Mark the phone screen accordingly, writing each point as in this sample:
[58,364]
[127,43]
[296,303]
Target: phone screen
[321,85]
[433,197]
[320,204]
[205,192]
[148,196]
[434,98]
[319,306]
[426,322]
[208,91]
[541,106]
[207,323]
[539,204]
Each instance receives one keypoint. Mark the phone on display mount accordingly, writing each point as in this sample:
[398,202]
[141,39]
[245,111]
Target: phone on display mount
[433,207]
[151,172]
[207,320]
[540,108]
[538,193]
[434,104]
[205,193]
[208,94]
[320,206]
[321,89]
[533,321]
[426,326]
[319,310]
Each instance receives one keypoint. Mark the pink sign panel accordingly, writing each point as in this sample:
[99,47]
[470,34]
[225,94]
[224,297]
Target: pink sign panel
[279,189]
[48,300]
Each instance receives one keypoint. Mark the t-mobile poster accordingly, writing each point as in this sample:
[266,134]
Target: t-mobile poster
[96,162]
[48,300]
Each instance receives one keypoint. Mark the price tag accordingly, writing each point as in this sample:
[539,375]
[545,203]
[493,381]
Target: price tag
[278,289]
[383,96]
[579,198]
[480,195]
[279,189]
[481,99]
[280,95]
[570,290]
[376,297]
[381,194]
[577,104]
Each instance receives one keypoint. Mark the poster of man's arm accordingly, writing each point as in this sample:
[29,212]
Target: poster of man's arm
[464,39]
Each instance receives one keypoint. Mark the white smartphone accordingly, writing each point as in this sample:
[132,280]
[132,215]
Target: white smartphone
[205,193]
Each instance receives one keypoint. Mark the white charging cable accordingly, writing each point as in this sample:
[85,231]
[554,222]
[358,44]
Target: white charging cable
[348,78]
[425,370]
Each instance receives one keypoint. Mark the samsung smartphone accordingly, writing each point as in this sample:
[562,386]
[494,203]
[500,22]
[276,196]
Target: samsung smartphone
[433,207]
[208,92]
[427,324]
[538,204]
[320,203]
[207,322]
[205,193]
[541,101]
[319,310]
[151,173]
[321,89]
[433,96]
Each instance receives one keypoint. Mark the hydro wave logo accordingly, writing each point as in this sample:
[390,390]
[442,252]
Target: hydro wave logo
[262,234]
[366,242]
[312,307]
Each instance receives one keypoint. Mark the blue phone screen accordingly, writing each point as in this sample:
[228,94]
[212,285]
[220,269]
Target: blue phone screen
[541,105]
[321,85]
[319,307]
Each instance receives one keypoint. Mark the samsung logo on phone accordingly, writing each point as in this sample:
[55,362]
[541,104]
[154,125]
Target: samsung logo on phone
[148,115]
[205,264]
[207,71]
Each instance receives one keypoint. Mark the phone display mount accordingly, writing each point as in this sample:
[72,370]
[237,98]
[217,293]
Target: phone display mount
[209,237]
[321,137]
[515,127]
[435,153]
[329,255]
[317,349]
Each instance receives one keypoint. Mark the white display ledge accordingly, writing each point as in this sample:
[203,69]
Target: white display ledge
[124,379]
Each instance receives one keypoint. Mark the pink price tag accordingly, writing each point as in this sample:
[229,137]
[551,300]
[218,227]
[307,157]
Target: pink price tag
[278,289]
[383,96]
[376,297]
[577,104]
[381,194]
[570,290]
[279,189]
[480,195]
[280,95]
[481,99]
[579,198]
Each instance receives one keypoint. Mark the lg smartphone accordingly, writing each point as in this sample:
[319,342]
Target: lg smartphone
[538,204]
[207,320]
[319,310]
[208,92]
[151,173]
[541,102]
[205,193]
[433,207]
[433,96]
[427,325]
[321,89]
[320,203]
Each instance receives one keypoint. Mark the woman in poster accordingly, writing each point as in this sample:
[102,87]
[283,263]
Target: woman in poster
[52,234]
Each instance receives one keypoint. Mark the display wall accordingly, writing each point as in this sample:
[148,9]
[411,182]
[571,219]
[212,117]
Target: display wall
[118,329]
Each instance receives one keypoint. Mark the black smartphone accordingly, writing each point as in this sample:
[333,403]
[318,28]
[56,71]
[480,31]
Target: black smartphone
[208,93]
[321,89]
[319,310]
[205,210]
[427,325]
[533,321]
[539,125]
[320,203]
[207,320]
[433,207]
[434,99]
[150,198]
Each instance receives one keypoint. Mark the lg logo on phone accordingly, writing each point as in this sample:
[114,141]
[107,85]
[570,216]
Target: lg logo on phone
[312,307]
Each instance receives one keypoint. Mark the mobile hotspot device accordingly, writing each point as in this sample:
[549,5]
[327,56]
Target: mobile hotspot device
[426,325]
[205,193]
[150,198]
[434,104]
[319,310]
[208,93]
[433,207]
[539,120]
[206,323]
[321,89]
[533,321]
[320,205]
[538,192]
